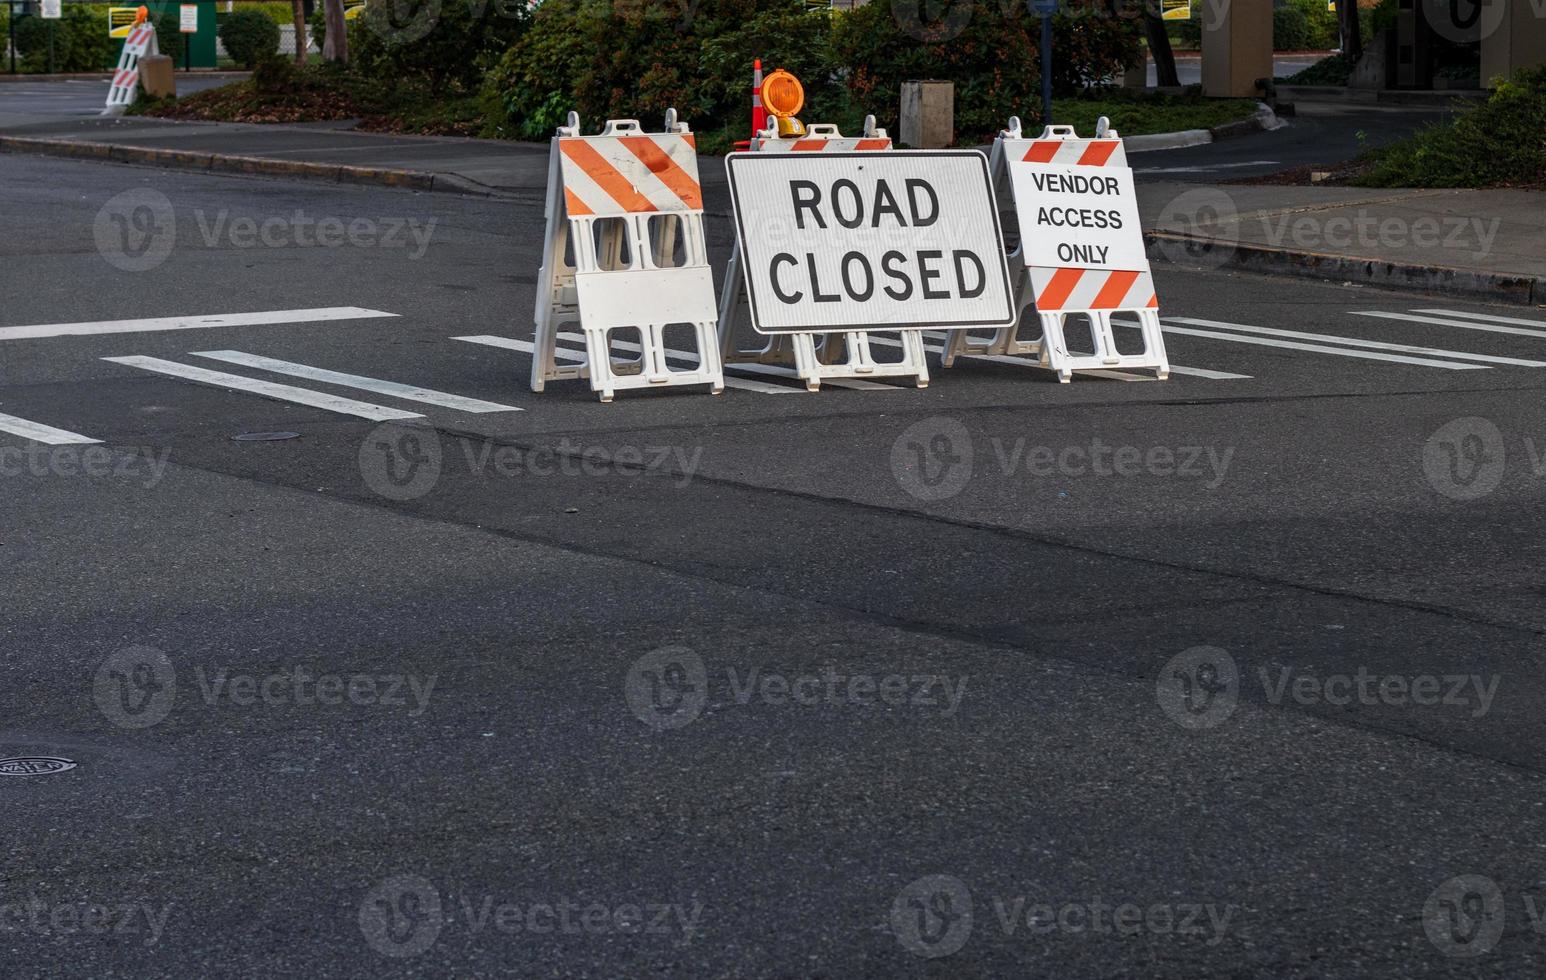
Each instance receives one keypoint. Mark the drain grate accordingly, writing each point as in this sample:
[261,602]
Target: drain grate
[34,766]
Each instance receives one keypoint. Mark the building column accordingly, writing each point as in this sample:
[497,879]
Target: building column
[1236,46]
[1513,37]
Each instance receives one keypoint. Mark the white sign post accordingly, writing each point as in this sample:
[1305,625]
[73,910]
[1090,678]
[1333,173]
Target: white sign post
[835,242]
[52,9]
[188,18]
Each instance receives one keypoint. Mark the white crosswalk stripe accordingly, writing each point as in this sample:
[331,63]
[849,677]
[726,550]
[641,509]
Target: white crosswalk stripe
[526,347]
[268,389]
[98,327]
[1354,342]
[1450,322]
[1195,372]
[46,434]
[1240,338]
[406,392]
[1490,318]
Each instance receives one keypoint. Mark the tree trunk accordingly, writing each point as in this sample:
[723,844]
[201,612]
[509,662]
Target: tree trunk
[336,46]
[1352,41]
[302,41]
[1159,46]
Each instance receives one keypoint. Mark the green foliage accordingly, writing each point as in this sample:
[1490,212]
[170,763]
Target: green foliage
[448,44]
[249,36]
[989,50]
[1502,141]
[1290,29]
[698,59]
[80,41]
[694,57]
[1331,70]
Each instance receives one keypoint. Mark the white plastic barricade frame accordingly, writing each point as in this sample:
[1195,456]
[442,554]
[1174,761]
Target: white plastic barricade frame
[815,355]
[627,206]
[125,85]
[1076,272]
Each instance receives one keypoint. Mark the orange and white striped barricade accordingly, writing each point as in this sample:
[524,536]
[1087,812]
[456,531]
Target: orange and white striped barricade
[815,354]
[125,85]
[625,249]
[1080,253]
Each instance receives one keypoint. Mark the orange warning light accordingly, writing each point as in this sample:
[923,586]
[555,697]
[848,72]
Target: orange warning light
[141,15]
[782,94]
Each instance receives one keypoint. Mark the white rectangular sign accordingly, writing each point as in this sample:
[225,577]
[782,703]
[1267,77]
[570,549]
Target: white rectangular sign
[53,9]
[1078,217]
[188,18]
[885,240]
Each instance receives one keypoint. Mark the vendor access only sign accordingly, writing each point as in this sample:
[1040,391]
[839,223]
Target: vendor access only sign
[870,241]
[1075,217]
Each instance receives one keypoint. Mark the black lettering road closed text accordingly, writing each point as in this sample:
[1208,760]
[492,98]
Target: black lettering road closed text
[844,203]
[864,240]
[927,274]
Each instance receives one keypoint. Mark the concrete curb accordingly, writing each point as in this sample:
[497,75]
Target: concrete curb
[1264,120]
[1524,290]
[224,163]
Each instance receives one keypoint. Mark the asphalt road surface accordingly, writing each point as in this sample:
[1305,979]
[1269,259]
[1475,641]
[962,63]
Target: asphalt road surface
[1237,674]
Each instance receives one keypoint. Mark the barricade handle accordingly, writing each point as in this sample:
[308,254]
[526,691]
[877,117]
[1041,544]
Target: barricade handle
[1013,130]
[673,126]
[823,131]
[1059,132]
[620,127]
[571,126]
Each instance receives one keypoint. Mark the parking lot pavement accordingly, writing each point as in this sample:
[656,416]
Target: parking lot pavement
[369,659]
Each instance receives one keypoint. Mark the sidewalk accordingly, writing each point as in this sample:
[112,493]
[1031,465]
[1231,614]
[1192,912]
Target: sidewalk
[1489,244]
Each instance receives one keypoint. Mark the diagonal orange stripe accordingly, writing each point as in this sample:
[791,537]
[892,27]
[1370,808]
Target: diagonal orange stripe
[1114,291]
[666,169]
[804,145]
[873,145]
[1059,289]
[1098,152]
[1153,303]
[574,205]
[1042,151]
[605,175]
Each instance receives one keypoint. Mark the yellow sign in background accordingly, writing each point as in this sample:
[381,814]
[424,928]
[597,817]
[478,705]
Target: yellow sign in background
[1176,9]
[120,20]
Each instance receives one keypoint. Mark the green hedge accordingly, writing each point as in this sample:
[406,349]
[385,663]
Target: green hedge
[849,62]
[80,41]
[249,37]
[448,45]
[1498,142]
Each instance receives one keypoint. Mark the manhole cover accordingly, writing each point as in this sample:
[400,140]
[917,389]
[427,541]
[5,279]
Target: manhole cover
[265,436]
[34,766]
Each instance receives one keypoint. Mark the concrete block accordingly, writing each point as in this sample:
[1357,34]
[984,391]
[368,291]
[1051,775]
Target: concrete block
[928,114]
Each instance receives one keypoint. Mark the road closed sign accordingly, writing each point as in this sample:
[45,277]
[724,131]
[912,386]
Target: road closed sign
[1076,217]
[869,241]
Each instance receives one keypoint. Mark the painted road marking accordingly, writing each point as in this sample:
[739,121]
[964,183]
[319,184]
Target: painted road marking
[1174,368]
[1488,317]
[1352,342]
[408,392]
[268,389]
[1439,322]
[1320,349]
[93,328]
[45,434]
[525,347]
